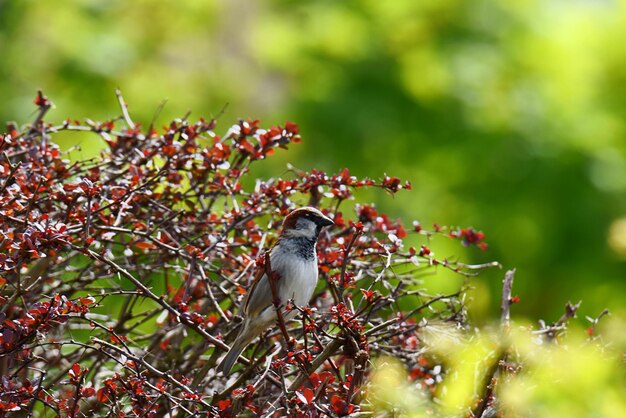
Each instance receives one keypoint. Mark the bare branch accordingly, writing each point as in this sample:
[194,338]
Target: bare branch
[124,108]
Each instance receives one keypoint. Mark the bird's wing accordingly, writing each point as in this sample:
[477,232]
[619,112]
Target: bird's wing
[259,296]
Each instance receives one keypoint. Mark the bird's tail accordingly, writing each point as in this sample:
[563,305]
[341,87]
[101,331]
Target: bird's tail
[240,343]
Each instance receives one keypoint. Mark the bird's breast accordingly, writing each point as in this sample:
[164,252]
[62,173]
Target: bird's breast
[298,276]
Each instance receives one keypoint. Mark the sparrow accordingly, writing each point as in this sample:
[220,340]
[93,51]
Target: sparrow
[294,259]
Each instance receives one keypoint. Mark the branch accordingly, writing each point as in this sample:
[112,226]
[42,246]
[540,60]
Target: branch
[139,360]
[489,382]
[570,312]
[161,301]
[44,105]
[505,304]
[346,256]
[124,108]
[329,350]
[12,169]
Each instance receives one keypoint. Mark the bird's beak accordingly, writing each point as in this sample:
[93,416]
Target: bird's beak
[325,221]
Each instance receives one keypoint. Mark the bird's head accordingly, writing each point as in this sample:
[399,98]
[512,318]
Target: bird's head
[305,222]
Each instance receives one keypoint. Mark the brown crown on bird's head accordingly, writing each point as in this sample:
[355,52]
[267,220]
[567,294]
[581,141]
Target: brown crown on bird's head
[298,219]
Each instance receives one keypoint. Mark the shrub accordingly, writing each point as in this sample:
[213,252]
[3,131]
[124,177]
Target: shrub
[121,277]
[517,371]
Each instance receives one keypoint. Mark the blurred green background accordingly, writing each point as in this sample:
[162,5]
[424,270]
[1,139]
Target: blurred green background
[506,115]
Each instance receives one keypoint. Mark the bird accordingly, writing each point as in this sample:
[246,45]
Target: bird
[294,258]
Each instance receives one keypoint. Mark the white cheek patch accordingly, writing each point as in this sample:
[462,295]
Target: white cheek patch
[304,228]
[296,233]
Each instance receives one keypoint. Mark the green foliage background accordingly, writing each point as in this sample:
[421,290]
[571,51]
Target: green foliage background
[505,115]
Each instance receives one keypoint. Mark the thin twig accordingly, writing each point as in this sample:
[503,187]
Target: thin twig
[124,108]
[156,372]
[328,351]
[357,233]
[489,381]
[505,304]
[161,301]
[44,105]
[12,169]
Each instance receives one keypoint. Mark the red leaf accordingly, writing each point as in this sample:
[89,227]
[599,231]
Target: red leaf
[87,300]
[291,127]
[223,404]
[87,392]
[103,394]
[41,100]
[368,294]
[164,344]
[309,395]
[145,245]
[75,370]
[338,405]
[246,146]
[10,407]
